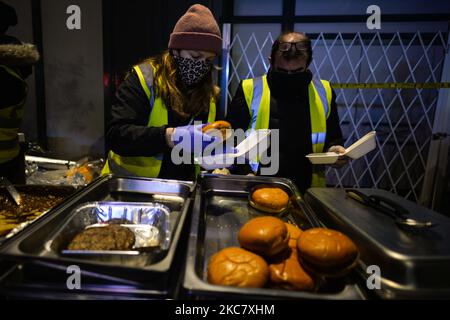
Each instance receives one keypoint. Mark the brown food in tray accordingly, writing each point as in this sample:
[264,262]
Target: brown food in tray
[110,237]
[294,234]
[270,199]
[237,267]
[267,236]
[33,205]
[327,252]
[288,273]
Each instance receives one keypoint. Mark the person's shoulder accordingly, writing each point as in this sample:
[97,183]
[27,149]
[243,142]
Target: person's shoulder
[325,83]
[250,81]
[255,77]
[130,78]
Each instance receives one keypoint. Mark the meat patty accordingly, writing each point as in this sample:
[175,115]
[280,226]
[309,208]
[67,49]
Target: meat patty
[111,237]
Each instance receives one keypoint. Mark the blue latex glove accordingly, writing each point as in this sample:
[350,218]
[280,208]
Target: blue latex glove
[191,139]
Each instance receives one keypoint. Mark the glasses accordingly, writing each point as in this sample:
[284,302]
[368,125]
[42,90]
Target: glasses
[299,46]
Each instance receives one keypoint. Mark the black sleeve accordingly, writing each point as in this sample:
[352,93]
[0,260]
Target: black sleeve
[238,114]
[128,133]
[13,89]
[334,133]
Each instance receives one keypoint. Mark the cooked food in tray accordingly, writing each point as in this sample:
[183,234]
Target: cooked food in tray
[110,237]
[105,227]
[286,272]
[269,199]
[238,267]
[294,234]
[327,252]
[296,259]
[266,236]
[33,205]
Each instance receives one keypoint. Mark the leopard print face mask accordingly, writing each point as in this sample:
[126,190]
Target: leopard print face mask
[192,71]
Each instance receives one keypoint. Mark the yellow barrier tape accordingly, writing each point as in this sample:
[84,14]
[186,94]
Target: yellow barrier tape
[405,85]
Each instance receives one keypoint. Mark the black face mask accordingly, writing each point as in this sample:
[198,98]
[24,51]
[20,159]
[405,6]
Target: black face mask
[288,85]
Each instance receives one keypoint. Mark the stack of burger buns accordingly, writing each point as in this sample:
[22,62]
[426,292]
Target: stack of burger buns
[276,254]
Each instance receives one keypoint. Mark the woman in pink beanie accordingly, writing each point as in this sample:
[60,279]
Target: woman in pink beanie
[160,99]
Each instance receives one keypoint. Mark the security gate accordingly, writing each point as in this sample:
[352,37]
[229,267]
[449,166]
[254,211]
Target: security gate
[404,118]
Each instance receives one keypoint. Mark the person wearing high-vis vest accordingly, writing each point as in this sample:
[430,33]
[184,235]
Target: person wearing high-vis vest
[300,105]
[16,60]
[166,97]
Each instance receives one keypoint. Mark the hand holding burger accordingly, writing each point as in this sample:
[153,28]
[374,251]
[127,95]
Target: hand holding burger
[221,127]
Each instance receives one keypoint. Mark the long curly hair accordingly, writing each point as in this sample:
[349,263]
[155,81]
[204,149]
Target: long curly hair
[184,101]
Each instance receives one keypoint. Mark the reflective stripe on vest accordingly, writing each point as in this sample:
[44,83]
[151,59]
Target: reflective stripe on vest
[146,166]
[10,120]
[257,96]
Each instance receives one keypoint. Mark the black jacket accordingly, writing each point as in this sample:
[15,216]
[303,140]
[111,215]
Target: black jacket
[13,89]
[129,135]
[292,117]
[19,58]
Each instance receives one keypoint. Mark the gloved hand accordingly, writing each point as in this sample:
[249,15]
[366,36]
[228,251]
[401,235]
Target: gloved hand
[191,139]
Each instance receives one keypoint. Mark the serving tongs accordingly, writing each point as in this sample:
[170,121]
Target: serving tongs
[390,208]
[11,190]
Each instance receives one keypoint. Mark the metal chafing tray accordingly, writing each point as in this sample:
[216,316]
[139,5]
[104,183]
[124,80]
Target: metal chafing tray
[35,190]
[40,244]
[413,263]
[220,209]
[40,280]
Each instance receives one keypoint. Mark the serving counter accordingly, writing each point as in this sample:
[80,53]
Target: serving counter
[192,222]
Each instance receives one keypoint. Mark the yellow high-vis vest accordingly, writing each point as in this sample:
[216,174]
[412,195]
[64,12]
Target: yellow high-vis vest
[10,119]
[257,96]
[146,166]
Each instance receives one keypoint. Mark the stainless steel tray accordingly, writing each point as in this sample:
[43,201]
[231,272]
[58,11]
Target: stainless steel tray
[152,268]
[220,209]
[39,190]
[40,280]
[413,264]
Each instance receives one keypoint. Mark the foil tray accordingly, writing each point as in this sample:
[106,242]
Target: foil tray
[149,223]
